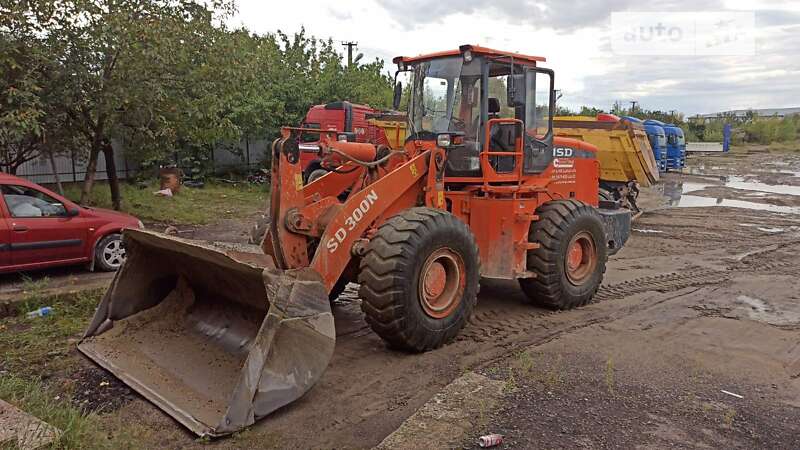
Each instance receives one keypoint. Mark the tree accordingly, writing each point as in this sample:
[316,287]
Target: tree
[21,79]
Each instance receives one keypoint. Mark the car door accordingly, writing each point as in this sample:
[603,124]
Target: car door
[5,236]
[42,229]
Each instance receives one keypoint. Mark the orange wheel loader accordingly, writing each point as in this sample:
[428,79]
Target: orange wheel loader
[219,338]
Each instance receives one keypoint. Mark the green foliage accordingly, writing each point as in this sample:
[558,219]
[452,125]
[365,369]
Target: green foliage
[159,76]
[589,111]
[749,129]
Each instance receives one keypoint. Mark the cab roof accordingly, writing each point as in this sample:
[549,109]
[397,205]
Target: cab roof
[476,50]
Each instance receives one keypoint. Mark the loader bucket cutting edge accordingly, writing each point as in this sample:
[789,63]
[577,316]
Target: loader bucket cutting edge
[215,337]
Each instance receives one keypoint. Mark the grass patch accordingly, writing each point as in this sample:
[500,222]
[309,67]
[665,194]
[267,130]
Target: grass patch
[79,430]
[39,355]
[190,207]
[42,346]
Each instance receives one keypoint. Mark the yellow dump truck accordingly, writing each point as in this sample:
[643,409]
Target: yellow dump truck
[626,159]
[391,124]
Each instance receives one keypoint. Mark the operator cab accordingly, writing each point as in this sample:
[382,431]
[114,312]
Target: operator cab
[490,110]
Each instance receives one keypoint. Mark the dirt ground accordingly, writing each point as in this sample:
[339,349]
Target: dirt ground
[703,299]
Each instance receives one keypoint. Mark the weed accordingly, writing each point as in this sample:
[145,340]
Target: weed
[525,363]
[728,416]
[554,376]
[32,289]
[511,383]
[610,375]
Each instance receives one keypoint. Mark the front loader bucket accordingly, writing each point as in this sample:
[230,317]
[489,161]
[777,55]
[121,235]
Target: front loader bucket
[215,337]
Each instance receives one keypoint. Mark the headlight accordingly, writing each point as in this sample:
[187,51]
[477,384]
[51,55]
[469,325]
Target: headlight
[341,138]
[443,140]
[141,225]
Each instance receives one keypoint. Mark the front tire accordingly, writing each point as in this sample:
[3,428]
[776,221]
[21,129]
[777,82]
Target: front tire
[419,279]
[571,259]
[109,253]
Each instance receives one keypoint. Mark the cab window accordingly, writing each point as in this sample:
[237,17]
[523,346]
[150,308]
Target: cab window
[23,202]
[310,137]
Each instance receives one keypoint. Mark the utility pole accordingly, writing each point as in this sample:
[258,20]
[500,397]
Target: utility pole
[633,106]
[349,45]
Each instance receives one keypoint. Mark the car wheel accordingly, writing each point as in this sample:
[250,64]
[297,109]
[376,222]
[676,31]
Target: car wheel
[110,253]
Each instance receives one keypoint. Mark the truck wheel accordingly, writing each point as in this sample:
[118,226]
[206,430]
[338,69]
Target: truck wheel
[571,259]
[419,279]
[109,253]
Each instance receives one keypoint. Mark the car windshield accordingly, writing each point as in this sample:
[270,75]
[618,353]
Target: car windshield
[445,96]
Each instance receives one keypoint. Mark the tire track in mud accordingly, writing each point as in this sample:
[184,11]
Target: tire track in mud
[499,325]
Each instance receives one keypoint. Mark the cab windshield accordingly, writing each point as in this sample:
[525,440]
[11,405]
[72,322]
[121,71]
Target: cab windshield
[445,96]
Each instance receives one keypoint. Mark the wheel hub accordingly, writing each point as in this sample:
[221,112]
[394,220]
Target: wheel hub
[435,280]
[442,283]
[581,258]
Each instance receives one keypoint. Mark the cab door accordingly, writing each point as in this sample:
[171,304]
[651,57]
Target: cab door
[43,229]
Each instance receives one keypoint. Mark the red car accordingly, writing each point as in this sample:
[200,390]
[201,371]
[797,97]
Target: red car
[39,228]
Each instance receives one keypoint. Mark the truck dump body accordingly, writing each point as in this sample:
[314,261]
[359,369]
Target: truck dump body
[624,150]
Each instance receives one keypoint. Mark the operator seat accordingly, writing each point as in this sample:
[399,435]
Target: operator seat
[501,139]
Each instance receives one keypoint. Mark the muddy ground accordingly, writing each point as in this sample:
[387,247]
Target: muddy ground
[702,299]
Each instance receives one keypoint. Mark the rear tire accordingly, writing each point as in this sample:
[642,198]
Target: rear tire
[419,279]
[571,259]
[109,254]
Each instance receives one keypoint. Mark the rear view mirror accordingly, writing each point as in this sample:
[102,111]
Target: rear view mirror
[72,212]
[398,92]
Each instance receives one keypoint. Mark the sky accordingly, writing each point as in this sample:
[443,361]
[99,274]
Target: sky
[580,42]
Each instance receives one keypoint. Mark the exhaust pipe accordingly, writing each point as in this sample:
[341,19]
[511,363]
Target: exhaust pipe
[215,337]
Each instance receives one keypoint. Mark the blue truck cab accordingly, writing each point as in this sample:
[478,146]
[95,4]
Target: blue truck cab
[676,146]
[658,141]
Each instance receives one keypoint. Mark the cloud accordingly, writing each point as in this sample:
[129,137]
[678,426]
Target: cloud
[694,84]
[562,16]
[574,35]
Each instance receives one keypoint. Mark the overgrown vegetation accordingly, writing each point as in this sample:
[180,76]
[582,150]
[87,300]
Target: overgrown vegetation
[157,76]
[191,206]
[43,346]
[39,354]
[750,128]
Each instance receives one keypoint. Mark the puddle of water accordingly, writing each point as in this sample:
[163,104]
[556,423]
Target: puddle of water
[763,187]
[761,311]
[691,186]
[689,201]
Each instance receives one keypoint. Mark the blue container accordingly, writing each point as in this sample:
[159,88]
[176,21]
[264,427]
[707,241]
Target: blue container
[658,142]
